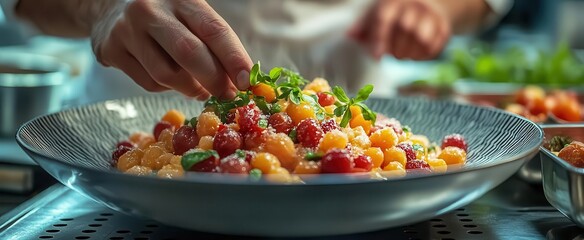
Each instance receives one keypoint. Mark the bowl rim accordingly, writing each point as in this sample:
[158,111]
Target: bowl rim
[202,178]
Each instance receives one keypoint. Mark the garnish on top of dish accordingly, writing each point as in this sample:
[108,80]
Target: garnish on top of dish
[282,127]
[568,150]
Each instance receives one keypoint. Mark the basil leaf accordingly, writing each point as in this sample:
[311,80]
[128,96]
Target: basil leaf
[275,108]
[253,74]
[339,111]
[262,105]
[293,135]
[255,174]
[340,94]
[346,118]
[417,147]
[240,153]
[363,93]
[294,98]
[406,129]
[192,158]
[368,114]
[193,122]
[275,73]
[313,156]
[263,123]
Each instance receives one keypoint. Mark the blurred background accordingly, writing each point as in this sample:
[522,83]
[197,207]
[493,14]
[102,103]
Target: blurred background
[537,42]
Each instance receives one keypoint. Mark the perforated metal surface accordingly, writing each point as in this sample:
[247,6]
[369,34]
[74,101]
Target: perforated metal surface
[514,210]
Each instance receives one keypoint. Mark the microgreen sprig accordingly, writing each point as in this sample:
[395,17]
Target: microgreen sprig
[344,104]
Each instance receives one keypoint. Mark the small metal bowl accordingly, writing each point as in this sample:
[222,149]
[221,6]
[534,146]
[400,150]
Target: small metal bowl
[30,85]
[563,184]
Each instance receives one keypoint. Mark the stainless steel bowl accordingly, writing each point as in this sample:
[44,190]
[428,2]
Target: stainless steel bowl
[563,184]
[30,85]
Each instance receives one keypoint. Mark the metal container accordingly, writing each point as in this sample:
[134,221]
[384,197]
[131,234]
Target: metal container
[563,183]
[30,85]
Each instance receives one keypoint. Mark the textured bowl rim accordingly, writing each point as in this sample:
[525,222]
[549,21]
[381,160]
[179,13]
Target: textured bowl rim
[203,178]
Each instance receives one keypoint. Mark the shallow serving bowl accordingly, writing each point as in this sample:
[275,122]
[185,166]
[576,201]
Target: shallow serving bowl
[75,146]
[563,184]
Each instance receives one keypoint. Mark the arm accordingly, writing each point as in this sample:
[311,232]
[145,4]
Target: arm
[161,44]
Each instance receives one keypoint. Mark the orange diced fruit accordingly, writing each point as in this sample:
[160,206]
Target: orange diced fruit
[300,112]
[265,162]
[333,139]
[453,155]
[394,154]
[139,170]
[376,156]
[384,138]
[307,167]
[264,90]
[130,159]
[437,165]
[175,118]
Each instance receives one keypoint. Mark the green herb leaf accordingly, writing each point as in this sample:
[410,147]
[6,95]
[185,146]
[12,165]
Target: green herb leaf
[193,122]
[340,94]
[263,123]
[364,93]
[255,175]
[346,118]
[292,135]
[262,105]
[294,98]
[368,114]
[313,156]
[275,73]
[240,153]
[253,74]
[275,108]
[339,111]
[418,147]
[192,158]
[406,129]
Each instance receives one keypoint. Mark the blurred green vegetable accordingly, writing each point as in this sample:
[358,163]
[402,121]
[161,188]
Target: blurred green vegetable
[514,65]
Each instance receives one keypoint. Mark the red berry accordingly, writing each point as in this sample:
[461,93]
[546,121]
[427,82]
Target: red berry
[364,162]
[184,139]
[309,133]
[208,165]
[231,117]
[281,122]
[159,127]
[329,125]
[417,164]
[325,99]
[120,150]
[227,141]
[254,139]
[234,164]
[248,118]
[454,140]
[125,143]
[337,161]
[407,147]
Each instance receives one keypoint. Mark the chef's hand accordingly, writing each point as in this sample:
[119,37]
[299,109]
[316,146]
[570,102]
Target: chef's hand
[172,44]
[414,29]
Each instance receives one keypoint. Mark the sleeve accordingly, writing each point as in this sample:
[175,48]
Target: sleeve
[499,9]
[7,10]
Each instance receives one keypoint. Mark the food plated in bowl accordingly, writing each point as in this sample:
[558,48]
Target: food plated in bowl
[75,146]
[284,130]
[562,173]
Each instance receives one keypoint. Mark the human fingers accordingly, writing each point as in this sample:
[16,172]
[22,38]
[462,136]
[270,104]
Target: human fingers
[214,31]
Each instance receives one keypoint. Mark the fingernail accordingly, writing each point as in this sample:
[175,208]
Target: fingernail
[243,80]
